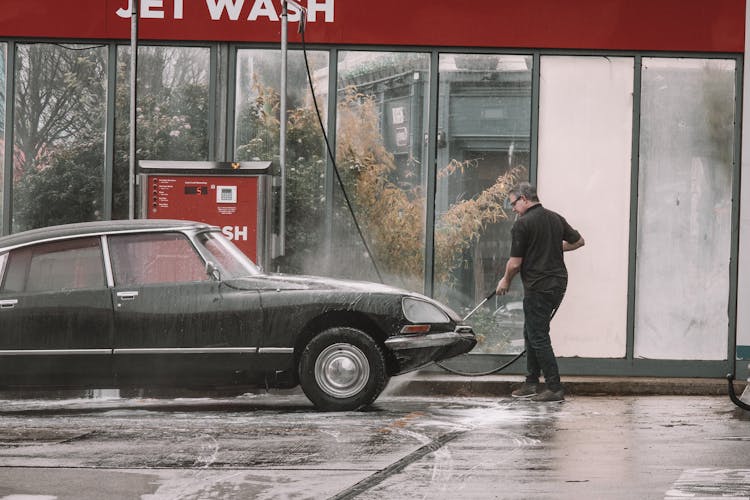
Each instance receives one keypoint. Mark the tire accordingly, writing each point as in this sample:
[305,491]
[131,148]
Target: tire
[342,369]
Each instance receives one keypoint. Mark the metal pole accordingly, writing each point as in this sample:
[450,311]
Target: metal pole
[133,114]
[282,126]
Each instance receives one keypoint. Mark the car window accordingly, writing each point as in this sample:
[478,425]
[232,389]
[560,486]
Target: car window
[61,265]
[231,260]
[142,259]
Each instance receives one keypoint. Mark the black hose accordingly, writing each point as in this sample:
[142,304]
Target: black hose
[333,157]
[494,370]
[481,374]
[733,396]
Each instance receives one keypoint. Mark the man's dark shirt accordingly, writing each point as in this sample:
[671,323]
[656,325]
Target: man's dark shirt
[537,237]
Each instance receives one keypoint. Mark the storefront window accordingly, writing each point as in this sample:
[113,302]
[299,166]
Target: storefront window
[585,142]
[257,138]
[380,151]
[684,208]
[172,114]
[60,101]
[483,138]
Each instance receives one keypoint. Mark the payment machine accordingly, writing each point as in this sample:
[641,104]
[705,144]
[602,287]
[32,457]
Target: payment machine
[235,196]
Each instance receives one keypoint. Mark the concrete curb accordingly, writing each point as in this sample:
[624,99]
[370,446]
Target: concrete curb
[432,384]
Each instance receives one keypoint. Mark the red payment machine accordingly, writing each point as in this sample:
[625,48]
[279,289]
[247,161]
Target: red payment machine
[232,195]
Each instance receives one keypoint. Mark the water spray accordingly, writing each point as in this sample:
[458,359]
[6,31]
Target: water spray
[494,370]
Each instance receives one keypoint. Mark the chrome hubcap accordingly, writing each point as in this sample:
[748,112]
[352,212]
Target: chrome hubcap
[342,370]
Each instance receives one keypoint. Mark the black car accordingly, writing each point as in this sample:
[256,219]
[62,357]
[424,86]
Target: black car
[155,303]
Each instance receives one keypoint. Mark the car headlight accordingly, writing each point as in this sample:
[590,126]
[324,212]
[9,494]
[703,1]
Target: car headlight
[420,311]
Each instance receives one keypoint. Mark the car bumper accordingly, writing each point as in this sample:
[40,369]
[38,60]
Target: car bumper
[414,351]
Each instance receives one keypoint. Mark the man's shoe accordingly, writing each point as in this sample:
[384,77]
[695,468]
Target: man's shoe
[525,391]
[550,396]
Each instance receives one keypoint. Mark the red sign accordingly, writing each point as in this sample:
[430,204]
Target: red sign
[659,25]
[230,202]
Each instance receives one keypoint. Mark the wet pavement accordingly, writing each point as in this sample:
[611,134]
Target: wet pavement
[277,446]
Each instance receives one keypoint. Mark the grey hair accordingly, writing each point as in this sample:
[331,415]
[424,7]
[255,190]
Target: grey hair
[525,189]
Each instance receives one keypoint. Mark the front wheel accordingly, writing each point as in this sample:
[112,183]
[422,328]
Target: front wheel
[342,369]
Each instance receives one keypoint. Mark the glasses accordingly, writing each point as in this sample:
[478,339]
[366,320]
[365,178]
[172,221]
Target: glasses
[513,203]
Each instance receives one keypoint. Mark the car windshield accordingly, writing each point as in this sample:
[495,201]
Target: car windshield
[230,260]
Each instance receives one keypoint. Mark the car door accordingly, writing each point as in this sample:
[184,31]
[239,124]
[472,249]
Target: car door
[174,324]
[55,315]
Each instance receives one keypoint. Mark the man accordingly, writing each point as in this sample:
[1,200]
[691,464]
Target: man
[539,238]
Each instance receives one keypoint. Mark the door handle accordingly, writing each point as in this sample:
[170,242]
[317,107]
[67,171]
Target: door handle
[8,303]
[127,295]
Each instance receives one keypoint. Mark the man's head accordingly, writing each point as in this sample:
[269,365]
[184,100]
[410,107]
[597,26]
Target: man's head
[522,197]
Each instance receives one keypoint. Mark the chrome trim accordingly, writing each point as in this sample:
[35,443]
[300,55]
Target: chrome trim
[276,350]
[400,342]
[186,229]
[107,262]
[54,352]
[8,303]
[127,295]
[187,350]
[3,262]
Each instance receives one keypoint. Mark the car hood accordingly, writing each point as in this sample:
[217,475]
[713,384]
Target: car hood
[298,282]
[281,282]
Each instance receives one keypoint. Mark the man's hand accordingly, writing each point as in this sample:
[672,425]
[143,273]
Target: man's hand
[502,286]
[569,247]
[512,267]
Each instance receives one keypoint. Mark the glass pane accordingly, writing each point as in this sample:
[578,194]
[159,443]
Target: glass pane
[172,111]
[257,138]
[484,123]
[684,208]
[585,142]
[380,150]
[58,134]
[155,258]
[3,52]
[69,265]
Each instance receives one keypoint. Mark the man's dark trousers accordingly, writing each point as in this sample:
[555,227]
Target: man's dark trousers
[538,308]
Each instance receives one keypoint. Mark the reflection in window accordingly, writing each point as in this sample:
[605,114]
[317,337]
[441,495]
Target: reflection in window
[69,265]
[172,111]
[155,258]
[257,138]
[60,100]
[380,152]
[684,208]
[484,122]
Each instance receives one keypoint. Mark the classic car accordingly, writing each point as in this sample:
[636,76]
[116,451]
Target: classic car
[166,303]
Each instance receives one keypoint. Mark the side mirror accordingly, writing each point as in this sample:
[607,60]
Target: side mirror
[213,271]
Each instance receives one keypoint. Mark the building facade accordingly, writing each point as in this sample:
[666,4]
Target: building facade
[626,114]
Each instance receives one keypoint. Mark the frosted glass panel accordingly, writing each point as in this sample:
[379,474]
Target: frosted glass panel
[585,136]
[684,210]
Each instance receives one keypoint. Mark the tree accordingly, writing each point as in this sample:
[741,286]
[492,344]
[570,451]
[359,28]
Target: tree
[393,212]
[171,115]
[390,211]
[59,120]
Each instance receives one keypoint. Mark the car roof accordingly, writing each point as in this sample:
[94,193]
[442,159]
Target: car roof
[98,228]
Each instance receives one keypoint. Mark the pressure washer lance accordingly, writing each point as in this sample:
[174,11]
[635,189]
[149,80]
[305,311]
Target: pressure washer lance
[494,370]
[501,367]
[480,304]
